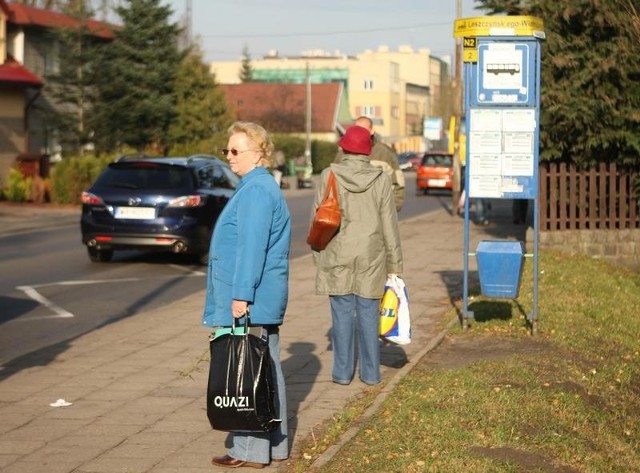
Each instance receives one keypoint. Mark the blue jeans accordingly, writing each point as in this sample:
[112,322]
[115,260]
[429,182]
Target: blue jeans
[482,209]
[262,447]
[351,315]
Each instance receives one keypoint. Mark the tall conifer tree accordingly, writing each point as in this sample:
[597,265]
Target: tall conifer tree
[246,71]
[135,78]
[590,93]
[201,111]
[71,85]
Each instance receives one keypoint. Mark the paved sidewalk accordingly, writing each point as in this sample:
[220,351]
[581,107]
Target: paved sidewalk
[137,387]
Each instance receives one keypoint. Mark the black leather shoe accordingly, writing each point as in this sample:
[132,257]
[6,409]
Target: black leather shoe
[229,462]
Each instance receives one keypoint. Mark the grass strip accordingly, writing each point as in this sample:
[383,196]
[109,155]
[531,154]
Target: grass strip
[495,399]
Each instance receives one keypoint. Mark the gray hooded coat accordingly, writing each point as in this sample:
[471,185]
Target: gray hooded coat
[367,246]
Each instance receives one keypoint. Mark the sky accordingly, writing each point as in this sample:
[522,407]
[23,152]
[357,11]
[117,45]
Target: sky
[291,27]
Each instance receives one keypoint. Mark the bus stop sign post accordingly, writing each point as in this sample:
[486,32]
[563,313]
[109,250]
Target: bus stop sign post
[502,107]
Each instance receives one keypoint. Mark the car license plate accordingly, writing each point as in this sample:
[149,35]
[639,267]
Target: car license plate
[136,213]
[437,182]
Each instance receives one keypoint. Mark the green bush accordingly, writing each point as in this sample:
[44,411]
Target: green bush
[291,146]
[73,175]
[19,187]
[322,153]
[211,147]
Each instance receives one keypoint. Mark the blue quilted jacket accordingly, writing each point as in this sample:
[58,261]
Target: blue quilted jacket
[249,253]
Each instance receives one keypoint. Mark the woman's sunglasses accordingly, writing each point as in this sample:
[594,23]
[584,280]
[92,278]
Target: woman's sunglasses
[235,152]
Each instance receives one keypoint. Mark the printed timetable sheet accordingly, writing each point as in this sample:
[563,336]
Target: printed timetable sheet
[501,151]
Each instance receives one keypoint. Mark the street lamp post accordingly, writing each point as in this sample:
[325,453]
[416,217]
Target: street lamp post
[457,113]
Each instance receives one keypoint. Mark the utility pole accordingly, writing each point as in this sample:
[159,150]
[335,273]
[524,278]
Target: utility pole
[185,39]
[307,149]
[457,113]
[189,22]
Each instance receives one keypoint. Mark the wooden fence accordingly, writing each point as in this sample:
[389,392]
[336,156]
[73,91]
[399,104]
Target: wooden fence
[601,197]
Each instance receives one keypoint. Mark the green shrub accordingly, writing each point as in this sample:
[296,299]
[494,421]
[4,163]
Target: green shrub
[19,187]
[322,154]
[73,175]
[291,146]
[209,147]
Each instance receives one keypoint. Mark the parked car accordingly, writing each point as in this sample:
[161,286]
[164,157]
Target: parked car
[409,160]
[161,204]
[435,172]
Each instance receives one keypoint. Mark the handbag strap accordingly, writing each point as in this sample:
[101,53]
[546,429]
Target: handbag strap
[331,187]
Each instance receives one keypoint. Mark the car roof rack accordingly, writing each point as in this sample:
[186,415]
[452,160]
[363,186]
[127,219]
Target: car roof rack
[128,157]
[193,157]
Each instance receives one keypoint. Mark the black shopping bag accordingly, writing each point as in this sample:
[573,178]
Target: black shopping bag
[240,393]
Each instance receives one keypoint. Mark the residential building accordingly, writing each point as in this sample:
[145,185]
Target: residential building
[283,107]
[18,87]
[396,89]
[28,49]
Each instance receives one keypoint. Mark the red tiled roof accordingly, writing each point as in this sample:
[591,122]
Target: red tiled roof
[12,72]
[253,100]
[29,16]
[4,7]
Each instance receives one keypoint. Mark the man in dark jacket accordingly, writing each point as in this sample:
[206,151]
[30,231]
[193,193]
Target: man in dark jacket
[382,156]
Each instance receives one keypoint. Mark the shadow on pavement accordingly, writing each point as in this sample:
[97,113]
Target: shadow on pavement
[46,355]
[14,307]
[306,366]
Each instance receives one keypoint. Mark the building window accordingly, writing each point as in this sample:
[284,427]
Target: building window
[368,84]
[395,111]
[369,111]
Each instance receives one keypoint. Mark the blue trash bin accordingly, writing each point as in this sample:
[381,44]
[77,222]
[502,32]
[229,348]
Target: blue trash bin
[500,268]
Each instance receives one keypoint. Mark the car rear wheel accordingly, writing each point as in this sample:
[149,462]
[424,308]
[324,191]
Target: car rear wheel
[100,256]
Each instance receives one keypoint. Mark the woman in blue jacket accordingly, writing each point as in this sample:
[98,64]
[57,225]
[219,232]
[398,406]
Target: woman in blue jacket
[249,272]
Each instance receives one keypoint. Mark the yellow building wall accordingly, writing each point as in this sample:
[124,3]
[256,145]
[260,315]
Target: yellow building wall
[3,36]
[435,77]
[374,90]
[414,65]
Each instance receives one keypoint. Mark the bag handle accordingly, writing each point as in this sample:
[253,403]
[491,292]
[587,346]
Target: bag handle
[246,323]
[331,187]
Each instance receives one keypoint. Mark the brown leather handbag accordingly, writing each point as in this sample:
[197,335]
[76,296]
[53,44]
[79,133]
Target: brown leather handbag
[326,221]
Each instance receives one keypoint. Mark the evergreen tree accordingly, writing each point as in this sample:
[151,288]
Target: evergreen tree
[135,79]
[590,78]
[201,111]
[70,86]
[246,71]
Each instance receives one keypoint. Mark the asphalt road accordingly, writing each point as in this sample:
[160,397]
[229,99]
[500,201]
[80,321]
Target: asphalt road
[51,293]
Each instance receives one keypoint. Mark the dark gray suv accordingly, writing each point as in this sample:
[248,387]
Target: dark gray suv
[165,204]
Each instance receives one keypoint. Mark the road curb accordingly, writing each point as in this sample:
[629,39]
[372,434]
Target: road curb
[330,452]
